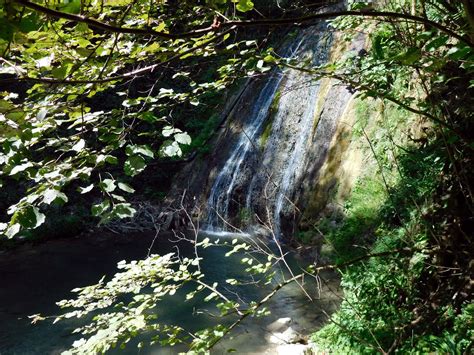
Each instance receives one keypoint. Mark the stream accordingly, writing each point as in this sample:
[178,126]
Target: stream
[34,277]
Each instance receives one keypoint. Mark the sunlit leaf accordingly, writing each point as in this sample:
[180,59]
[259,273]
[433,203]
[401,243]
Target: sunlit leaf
[134,165]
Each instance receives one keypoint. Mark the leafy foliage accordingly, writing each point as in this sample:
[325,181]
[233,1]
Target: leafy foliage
[88,96]
[129,303]
[406,302]
[88,102]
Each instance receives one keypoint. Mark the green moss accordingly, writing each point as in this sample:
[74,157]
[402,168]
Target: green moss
[244,216]
[271,115]
[364,110]
[266,134]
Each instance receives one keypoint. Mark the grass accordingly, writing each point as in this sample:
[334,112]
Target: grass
[386,211]
[359,218]
[379,292]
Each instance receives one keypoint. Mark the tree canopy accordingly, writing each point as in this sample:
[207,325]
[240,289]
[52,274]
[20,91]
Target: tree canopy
[89,88]
[93,91]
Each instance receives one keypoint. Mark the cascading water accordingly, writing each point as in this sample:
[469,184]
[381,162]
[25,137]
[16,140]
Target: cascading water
[221,192]
[262,178]
[294,168]
[283,165]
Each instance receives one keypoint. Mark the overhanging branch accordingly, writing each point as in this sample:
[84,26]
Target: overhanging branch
[111,28]
[249,23]
[316,271]
[368,14]
[130,75]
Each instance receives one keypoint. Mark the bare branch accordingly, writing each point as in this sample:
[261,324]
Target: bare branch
[296,278]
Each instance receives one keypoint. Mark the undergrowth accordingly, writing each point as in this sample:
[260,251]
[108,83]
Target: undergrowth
[386,305]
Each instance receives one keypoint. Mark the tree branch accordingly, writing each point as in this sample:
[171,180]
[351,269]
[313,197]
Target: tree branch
[329,15]
[129,75]
[110,28]
[269,296]
[249,23]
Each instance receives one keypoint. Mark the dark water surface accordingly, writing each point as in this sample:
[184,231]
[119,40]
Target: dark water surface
[33,278]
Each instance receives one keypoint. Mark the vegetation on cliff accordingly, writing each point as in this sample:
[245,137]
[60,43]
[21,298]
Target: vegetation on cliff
[411,207]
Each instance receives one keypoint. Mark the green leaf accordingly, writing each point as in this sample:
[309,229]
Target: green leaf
[182,138]
[143,150]
[123,210]
[148,117]
[134,165]
[410,56]
[107,185]
[13,230]
[72,7]
[170,149]
[19,168]
[100,208]
[28,217]
[111,159]
[79,145]
[5,106]
[125,187]
[84,190]
[62,71]
[457,53]
[270,59]
[50,195]
[16,116]
[244,5]
[436,43]
[169,130]
[160,27]
[83,43]
[118,197]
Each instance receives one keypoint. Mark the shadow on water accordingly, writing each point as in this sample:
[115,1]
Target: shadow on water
[33,278]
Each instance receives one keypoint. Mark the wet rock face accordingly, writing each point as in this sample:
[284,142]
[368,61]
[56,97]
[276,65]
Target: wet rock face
[261,182]
[266,161]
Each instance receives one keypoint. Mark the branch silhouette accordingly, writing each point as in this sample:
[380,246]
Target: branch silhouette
[248,23]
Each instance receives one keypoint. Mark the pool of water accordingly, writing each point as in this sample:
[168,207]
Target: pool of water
[33,278]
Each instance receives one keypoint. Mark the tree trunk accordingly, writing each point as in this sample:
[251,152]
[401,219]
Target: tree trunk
[469,10]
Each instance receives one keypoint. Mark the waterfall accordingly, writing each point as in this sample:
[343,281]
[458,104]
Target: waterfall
[223,186]
[263,179]
[221,191]
[294,167]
